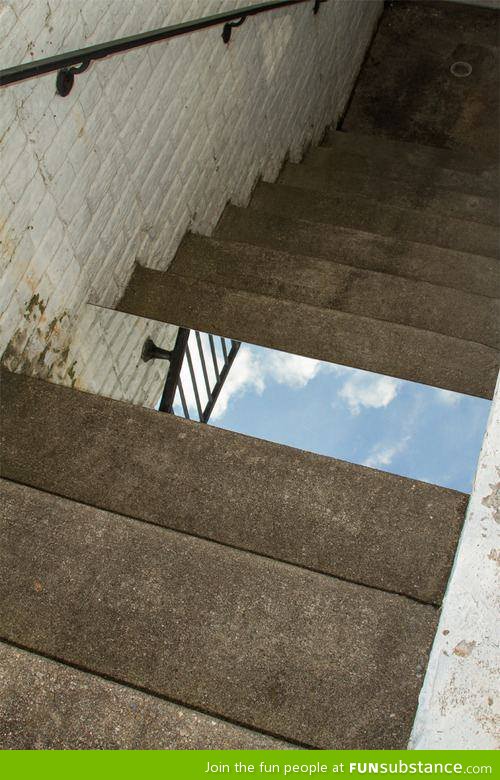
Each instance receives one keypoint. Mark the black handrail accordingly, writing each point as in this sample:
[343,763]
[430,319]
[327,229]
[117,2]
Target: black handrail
[83,57]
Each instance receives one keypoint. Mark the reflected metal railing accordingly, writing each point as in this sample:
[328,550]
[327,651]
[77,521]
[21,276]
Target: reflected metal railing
[199,365]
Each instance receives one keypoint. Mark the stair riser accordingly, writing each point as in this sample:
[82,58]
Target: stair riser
[360,524]
[470,273]
[379,157]
[264,644]
[393,193]
[332,286]
[369,215]
[373,345]
[62,708]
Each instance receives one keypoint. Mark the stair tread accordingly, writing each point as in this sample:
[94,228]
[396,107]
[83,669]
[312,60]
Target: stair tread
[338,337]
[453,168]
[268,645]
[370,215]
[63,708]
[422,192]
[325,284]
[351,521]
[450,268]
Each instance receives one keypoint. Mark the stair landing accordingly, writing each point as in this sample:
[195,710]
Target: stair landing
[406,90]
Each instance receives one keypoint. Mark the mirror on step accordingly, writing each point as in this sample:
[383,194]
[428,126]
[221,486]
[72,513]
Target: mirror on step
[391,424]
[370,419]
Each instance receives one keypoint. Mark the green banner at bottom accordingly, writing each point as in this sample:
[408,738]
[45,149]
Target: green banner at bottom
[198,764]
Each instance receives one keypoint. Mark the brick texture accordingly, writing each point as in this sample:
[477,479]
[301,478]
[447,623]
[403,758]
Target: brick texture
[148,145]
[105,356]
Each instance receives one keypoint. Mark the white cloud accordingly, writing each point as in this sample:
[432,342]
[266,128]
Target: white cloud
[251,371]
[254,367]
[447,397]
[245,374]
[291,370]
[369,391]
[383,455]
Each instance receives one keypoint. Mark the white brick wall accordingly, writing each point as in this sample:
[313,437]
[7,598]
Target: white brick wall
[458,705]
[105,356]
[149,144]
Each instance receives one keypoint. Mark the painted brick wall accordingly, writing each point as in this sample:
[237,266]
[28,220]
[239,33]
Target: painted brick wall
[105,356]
[148,145]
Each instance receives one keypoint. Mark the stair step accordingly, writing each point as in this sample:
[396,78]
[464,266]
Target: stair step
[398,159]
[449,268]
[350,521]
[370,215]
[338,337]
[419,190]
[47,705]
[329,285]
[270,646]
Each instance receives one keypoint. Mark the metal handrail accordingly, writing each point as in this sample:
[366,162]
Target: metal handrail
[61,63]
[174,371]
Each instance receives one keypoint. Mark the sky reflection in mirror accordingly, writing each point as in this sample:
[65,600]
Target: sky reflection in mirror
[378,421]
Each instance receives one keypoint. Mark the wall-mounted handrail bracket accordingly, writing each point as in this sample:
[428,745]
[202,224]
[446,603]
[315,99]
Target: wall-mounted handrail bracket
[228,28]
[317,5]
[151,352]
[66,78]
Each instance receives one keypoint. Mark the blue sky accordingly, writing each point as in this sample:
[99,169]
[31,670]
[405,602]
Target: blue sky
[394,425]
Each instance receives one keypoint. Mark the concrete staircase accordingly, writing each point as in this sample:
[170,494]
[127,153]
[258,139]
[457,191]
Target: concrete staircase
[281,593]
[198,588]
[368,274]
[169,585]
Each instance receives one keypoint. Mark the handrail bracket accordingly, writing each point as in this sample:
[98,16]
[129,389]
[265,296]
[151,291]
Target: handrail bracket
[66,78]
[228,28]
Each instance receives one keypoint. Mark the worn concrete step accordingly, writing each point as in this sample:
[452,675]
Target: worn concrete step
[270,646]
[422,192]
[350,521]
[339,337]
[345,288]
[458,270]
[369,214]
[381,156]
[47,705]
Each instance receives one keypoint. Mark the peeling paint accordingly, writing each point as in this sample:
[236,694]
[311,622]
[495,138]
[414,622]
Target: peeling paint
[72,373]
[38,348]
[8,242]
[492,501]
[494,555]
[464,649]
[34,303]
